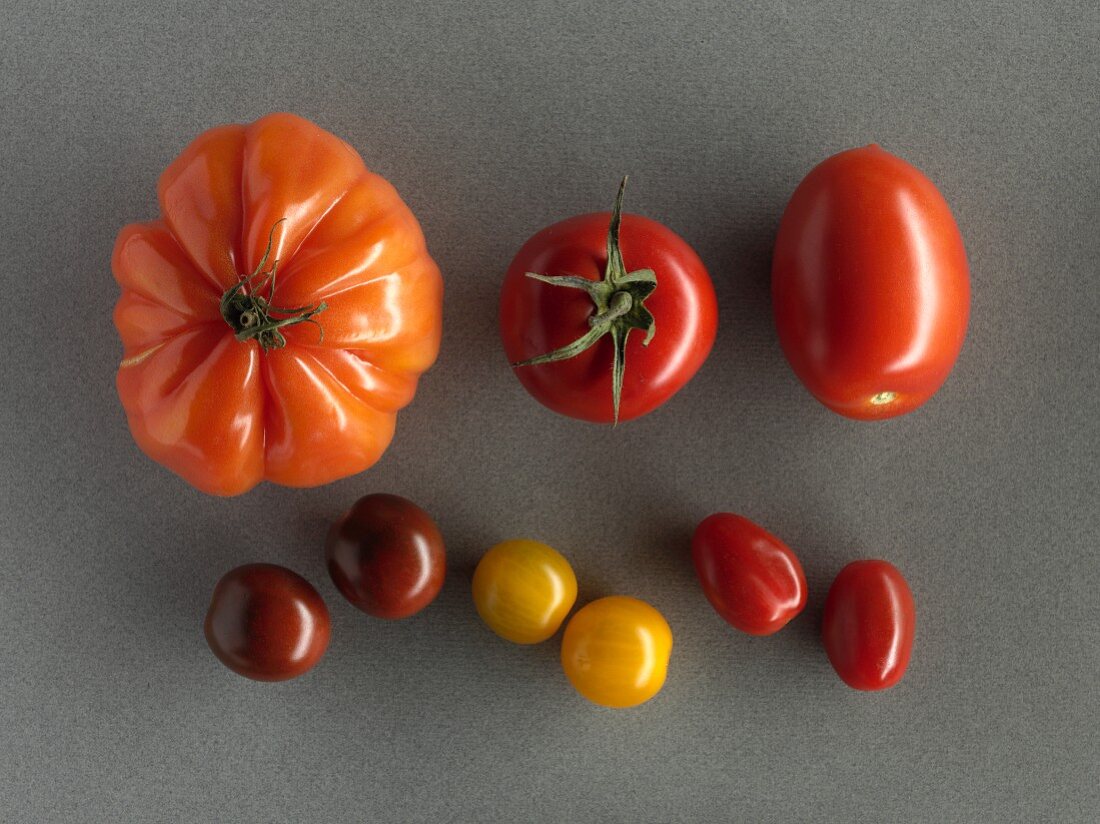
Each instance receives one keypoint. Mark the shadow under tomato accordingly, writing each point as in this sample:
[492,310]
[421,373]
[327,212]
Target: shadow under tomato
[747,345]
[173,565]
[821,557]
[669,553]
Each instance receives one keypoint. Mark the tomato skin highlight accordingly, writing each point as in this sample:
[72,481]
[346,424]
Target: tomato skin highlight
[536,318]
[615,651]
[386,556]
[870,285]
[869,624]
[267,623]
[751,578]
[523,590]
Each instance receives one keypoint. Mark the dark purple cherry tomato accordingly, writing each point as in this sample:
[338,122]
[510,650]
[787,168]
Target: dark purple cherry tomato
[386,556]
[751,578]
[868,625]
[267,623]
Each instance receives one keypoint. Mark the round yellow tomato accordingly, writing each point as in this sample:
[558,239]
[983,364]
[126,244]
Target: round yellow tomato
[523,590]
[615,651]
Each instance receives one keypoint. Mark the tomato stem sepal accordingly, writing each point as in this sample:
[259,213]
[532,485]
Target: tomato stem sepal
[619,306]
[252,316]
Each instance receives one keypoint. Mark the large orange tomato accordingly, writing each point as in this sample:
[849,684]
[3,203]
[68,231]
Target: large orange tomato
[277,315]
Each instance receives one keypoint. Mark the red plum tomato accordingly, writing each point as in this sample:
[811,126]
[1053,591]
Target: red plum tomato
[751,578]
[868,625]
[870,285]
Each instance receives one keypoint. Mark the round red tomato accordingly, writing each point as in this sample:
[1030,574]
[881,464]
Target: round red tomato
[577,291]
[386,556]
[267,623]
[870,285]
[868,625]
[751,578]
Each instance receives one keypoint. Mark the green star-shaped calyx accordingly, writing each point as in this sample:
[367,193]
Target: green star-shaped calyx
[618,302]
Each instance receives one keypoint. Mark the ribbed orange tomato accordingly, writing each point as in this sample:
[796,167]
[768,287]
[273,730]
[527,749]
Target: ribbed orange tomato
[278,314]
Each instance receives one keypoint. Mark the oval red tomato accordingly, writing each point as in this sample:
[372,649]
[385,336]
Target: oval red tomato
[267,623]
[589,268]
[751,578]
[868,626]
[870,286]
[386,556]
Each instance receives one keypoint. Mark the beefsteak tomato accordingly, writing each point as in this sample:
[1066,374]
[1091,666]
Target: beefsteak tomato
[277,315]
[576,290]
[870,286]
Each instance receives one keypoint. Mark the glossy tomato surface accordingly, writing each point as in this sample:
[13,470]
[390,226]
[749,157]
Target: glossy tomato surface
[225,412]
[751,578]
[523,590]
[536,317]
[868,625]
[267,623]
[615,651]
[386,556]
[870,285]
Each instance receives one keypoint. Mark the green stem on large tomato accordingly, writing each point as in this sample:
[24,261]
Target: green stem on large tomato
[619,306]
[252,316]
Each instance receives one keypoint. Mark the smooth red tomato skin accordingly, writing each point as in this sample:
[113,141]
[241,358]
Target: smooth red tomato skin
[536,318]
[870,285]
[751,578]
[868,626]
[386,556]
[267,623]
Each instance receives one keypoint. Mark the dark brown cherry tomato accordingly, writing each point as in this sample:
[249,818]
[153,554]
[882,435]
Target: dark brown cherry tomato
[386,556]
[868,625]
[870,285]
[267,623]
[751,578]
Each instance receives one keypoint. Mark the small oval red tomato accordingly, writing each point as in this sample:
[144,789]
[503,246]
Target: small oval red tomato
[575,292]
[868,625]
[267,623]
[751,578]
[386,556]
[870,286]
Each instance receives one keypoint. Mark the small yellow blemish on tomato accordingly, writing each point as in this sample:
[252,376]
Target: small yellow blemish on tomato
[134,360]
[883,398]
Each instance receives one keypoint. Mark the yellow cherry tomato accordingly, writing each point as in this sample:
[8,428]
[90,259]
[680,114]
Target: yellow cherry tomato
[615,651]
[523,590]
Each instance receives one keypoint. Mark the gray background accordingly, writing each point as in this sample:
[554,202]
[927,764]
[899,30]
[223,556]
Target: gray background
[494,119]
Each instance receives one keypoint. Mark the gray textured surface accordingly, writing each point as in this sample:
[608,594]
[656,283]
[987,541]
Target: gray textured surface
[493,119]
